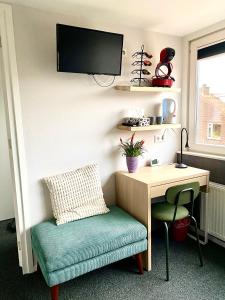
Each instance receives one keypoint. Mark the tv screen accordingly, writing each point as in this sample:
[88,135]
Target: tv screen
[82,50]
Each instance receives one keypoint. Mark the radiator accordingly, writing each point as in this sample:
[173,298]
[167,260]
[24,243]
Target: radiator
[215,211]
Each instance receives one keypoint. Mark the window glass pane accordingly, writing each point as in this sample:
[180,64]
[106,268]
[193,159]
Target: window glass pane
[214,131]
[210,129]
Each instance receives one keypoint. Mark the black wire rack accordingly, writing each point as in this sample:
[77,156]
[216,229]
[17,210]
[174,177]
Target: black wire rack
[143,60]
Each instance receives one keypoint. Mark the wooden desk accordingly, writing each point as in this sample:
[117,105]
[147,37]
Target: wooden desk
[135,191]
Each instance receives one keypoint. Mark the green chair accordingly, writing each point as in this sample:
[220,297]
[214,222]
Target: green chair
[173,210]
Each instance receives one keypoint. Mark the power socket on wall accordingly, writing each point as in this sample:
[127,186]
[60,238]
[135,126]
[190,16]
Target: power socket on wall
[158,139]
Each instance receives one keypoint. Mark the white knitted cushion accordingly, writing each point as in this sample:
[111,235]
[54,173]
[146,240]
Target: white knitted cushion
[76,194]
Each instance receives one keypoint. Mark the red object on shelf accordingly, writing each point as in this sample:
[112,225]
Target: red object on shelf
[180,229]
[162,78]
[162,82]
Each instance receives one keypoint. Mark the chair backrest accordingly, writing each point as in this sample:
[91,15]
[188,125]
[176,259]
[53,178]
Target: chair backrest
[185,197]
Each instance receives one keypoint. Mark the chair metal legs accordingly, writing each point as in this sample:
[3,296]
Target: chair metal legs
[167,245]
[167,249]
[197,239]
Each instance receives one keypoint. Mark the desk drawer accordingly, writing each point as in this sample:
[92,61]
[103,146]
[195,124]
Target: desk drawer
[160,190]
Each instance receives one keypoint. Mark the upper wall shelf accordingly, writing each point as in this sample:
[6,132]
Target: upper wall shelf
[151,89]
[150,127]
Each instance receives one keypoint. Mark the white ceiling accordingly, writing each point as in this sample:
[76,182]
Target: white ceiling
[176,17]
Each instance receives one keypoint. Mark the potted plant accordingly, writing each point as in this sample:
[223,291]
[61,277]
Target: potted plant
[132,150]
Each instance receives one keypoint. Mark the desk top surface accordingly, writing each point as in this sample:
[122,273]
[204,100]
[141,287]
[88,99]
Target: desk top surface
[163,174]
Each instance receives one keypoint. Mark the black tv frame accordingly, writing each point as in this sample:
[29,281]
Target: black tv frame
[87,29]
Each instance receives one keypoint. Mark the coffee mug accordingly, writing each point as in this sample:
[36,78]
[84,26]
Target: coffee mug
[152,120]
[159,120]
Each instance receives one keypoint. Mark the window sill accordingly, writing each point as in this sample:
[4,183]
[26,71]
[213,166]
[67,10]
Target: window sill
[207,155]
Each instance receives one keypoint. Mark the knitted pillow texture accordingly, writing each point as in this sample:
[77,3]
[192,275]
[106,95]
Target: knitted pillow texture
[76,194]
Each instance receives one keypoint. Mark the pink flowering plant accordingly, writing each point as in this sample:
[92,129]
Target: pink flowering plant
[131,148]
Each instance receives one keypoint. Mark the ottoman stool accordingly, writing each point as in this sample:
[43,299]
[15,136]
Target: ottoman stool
[67,251]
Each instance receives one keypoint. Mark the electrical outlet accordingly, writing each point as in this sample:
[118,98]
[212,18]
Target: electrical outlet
[158,139]
[124,52]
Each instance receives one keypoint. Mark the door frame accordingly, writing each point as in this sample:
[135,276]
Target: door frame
[15,137]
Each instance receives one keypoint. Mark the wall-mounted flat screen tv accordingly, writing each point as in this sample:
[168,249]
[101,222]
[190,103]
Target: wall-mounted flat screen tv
[82,50]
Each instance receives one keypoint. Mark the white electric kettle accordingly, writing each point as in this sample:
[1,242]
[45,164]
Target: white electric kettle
[169,110]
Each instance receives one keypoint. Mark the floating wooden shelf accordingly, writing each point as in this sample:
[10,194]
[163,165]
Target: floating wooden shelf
[148,128]
[151,89]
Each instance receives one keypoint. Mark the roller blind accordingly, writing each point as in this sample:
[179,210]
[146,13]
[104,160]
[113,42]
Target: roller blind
[211,50]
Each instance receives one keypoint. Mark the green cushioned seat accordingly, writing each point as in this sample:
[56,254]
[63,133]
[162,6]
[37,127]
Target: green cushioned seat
[69,250]
[165,211]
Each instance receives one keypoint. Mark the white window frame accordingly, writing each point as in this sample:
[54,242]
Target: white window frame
[195,45]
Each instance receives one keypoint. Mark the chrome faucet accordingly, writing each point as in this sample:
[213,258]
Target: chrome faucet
[181,165]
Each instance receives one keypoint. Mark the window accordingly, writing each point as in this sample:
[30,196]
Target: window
[214,131]
[207,94]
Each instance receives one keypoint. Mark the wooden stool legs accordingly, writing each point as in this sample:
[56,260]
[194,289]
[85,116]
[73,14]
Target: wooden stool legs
[55,292]
[139,263]
[55,288]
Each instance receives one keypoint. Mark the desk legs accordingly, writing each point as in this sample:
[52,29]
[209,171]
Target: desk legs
[134,197]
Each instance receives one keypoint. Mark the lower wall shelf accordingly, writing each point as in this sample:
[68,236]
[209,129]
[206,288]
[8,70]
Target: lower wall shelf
[149,128]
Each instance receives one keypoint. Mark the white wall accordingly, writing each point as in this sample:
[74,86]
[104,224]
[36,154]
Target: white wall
[6,193]
[69,121]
